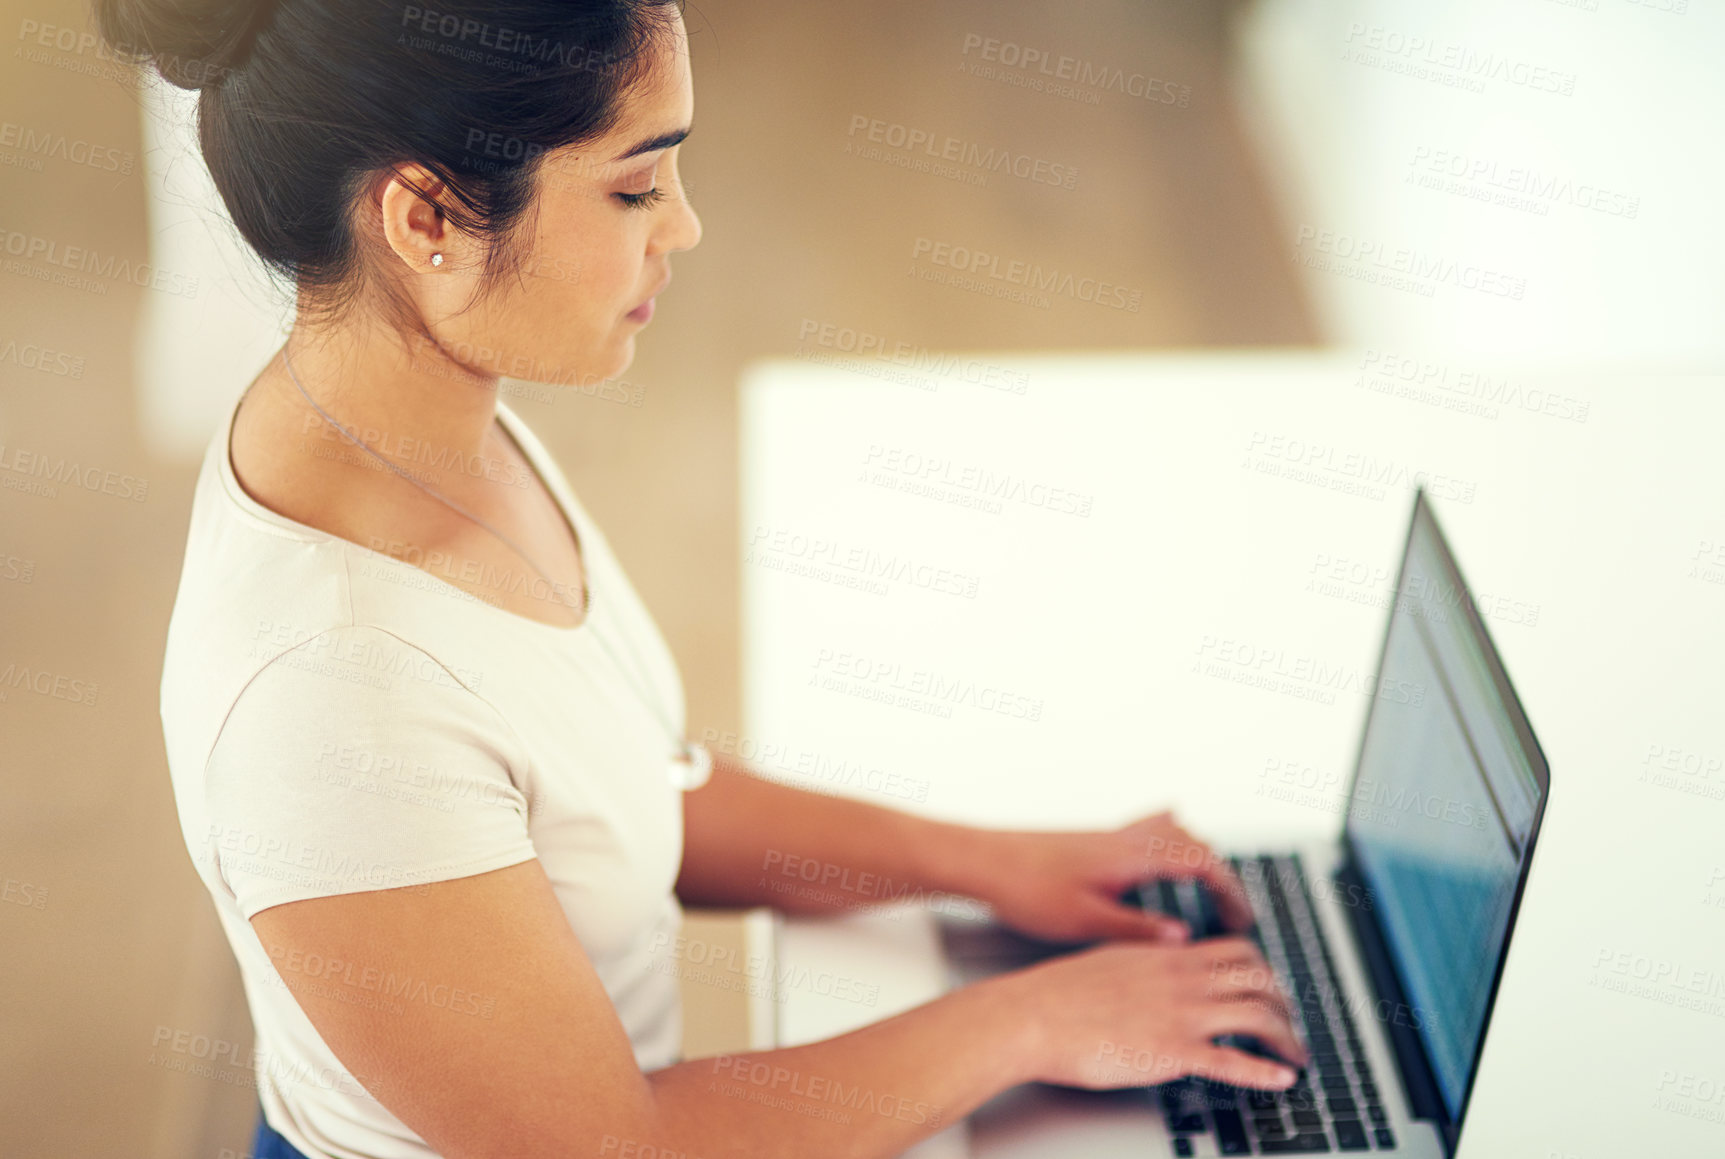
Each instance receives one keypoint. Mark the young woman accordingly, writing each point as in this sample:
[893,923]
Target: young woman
[426,742]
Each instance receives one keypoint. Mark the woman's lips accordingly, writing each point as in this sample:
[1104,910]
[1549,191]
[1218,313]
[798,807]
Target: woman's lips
[644,311]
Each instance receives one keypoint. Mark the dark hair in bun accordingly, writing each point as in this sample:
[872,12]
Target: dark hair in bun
[304,102]
[193,43]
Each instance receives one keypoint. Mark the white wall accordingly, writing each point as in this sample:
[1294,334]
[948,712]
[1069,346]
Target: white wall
[195,352]
[1640,123]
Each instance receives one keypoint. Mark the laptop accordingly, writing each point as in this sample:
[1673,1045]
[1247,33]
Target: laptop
[1390,939]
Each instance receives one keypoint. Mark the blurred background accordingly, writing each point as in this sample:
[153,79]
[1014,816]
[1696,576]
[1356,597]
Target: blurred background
[1243,169]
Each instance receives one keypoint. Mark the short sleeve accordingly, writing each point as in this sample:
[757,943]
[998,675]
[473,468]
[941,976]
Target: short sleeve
[356,761]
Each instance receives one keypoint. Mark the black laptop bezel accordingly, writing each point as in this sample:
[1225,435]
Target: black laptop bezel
[1417,1072]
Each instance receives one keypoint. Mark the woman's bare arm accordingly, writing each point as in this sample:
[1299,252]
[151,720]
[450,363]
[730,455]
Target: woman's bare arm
[750,841]
[470,1011]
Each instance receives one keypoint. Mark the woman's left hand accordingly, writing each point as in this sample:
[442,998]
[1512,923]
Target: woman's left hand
[1067,887]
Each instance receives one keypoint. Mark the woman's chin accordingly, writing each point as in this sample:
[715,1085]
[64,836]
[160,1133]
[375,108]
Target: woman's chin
[623,356]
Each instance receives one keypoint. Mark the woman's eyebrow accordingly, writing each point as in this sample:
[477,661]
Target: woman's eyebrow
[662,141]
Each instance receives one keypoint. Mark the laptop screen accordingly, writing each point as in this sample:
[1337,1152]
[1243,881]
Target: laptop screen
[1443,807]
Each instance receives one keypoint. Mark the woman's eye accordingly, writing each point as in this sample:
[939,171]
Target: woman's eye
[642,200]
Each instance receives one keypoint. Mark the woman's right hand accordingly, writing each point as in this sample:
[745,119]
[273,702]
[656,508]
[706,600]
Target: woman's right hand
[1133,1013]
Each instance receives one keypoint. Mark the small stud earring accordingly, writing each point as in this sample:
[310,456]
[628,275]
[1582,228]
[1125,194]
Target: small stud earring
[437,259]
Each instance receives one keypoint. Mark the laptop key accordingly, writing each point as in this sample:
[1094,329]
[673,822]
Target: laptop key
[1218,1095]
[1270,1128]
[1376,1114]
[1210,922]
[1350,1136]
[1386,1139]
[1309,1144]
[1182,1108]
[1308,1120]
[1230,1132]
[1182,1146]
[1342,1105]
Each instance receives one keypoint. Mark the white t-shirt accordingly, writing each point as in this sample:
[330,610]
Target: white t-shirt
[338,720]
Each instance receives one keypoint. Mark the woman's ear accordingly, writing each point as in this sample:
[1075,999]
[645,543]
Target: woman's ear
[414,226]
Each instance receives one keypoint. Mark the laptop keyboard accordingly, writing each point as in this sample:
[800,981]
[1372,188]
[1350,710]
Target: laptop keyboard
[1335,1105]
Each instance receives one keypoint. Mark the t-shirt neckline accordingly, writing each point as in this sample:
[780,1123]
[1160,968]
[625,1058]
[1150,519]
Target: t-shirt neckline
[507,419]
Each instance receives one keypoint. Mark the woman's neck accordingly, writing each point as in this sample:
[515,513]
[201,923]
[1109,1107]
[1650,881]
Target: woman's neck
[405,397]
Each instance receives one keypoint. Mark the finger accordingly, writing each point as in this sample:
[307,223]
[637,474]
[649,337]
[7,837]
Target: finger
[1138,843]
[1111,919]
[1197,859]
[1231,949]
[1147,822]
[1230,894]
[1237,1068]
[1262,1023]
[1252,986]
